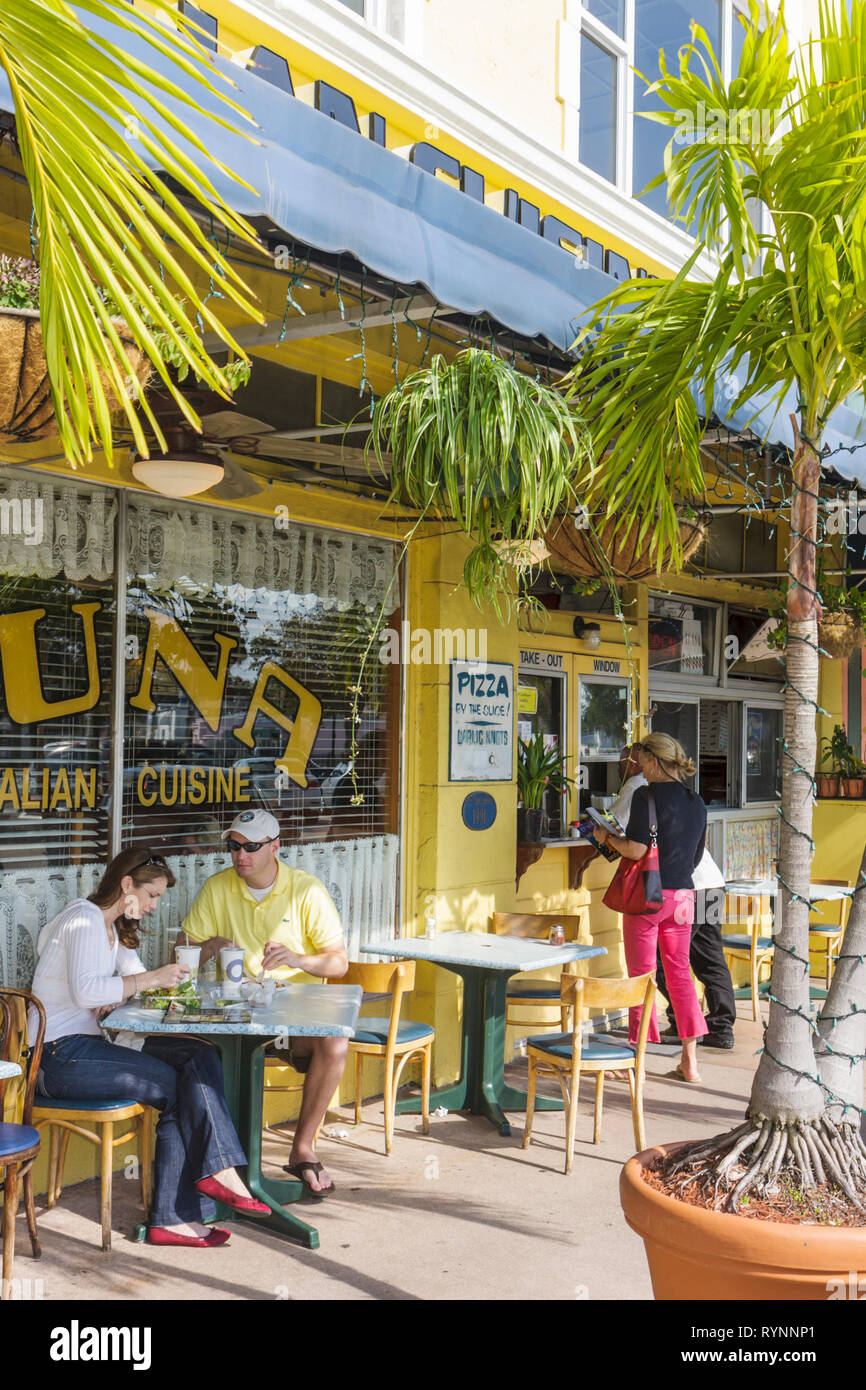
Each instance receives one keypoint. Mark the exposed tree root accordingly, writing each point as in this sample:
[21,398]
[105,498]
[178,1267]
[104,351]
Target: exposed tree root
[758,1155]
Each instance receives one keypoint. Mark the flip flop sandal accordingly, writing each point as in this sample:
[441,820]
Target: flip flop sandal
[679,1075]
[298,1170]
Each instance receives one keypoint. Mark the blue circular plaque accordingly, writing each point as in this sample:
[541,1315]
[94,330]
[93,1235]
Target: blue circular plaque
[479,811]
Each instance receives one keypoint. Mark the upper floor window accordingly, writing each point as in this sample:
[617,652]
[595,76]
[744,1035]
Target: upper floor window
[397,18]
[617,40]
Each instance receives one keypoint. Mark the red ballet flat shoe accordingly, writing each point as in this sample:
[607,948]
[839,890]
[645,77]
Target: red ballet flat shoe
[163,1235]
[211,1188]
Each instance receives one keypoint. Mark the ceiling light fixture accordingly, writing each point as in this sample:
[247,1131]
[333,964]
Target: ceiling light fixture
[182,471]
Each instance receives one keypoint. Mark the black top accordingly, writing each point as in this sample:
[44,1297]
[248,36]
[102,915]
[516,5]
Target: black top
[682,829]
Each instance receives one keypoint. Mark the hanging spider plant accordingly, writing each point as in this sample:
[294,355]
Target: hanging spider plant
[475,442]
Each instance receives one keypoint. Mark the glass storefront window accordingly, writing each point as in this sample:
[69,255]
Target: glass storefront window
[682,637]
[243,647]
[56,639]
[763,776]
[604,719]
[541,707]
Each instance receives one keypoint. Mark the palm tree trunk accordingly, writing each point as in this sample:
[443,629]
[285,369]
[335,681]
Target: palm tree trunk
[789,1128]
[786,1089]
[841,1040]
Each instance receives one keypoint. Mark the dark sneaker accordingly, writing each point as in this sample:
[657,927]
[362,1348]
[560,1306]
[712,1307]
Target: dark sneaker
[670,1035]
[722,1041]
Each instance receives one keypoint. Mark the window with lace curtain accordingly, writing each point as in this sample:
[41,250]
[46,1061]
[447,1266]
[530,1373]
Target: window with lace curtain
[243,652]
[56,620]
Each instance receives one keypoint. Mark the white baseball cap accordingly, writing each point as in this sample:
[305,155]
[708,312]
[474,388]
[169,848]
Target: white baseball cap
[254,825]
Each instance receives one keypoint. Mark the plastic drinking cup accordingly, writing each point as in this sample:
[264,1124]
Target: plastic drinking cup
[189,956]
[232,962]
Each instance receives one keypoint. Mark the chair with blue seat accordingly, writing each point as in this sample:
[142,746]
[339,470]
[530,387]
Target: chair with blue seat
[567,1055]
[830,934]
[95,1121]
[390,1038]
[527,993]
[19,1142]
[753,943]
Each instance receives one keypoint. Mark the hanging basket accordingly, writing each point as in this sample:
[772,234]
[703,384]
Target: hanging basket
[26,407]
[839,634]
[574,549]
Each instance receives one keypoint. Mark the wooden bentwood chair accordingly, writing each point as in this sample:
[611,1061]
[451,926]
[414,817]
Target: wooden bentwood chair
[748,944]
[566,1056]
[830,934]
[19,1143]
[532,993]
[74,1117]
[389,1038]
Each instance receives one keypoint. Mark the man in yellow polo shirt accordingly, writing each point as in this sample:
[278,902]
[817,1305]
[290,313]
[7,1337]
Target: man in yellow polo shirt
[287,924]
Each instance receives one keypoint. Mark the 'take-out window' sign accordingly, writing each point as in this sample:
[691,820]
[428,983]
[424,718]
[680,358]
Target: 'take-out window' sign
[481,722]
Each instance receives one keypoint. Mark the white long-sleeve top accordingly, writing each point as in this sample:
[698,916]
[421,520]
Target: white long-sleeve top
[78,970]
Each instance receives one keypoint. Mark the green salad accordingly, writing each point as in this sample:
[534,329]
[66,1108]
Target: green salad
[161,998]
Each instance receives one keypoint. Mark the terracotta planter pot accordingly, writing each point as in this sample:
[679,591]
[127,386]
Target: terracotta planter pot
[851,787]
[839,634]
[26,408]
[828,786]
[573,551]
[694,1254]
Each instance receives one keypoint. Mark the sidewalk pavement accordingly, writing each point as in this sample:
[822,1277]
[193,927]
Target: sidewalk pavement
[460,1213]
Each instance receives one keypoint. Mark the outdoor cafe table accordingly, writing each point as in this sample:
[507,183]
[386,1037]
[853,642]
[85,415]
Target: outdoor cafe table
[769,888]
[299,1011]
[9,1069]
[484,962]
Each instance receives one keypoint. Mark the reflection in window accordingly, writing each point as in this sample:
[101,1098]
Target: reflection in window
[682,637]
[662,26]
[540,710]
[241,694]
[763,772]
[597,109]
[610,12]
[603,719]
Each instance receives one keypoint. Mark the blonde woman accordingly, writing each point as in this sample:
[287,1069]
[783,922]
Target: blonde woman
[682,829]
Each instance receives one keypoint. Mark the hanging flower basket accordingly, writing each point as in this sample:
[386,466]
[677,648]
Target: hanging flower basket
[26,407]
[839,634]
[574,549]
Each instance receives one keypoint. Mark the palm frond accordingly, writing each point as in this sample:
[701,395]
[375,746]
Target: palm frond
[90,120]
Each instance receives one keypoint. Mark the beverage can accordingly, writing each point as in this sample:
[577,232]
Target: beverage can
[557,935]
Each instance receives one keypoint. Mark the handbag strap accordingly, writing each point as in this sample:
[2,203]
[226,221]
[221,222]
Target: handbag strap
[653,822]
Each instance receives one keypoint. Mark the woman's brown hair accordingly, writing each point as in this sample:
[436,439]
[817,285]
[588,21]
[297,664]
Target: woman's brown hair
[142,866]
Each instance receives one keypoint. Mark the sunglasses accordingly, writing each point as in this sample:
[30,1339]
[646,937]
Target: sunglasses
[153,859]
[250,845]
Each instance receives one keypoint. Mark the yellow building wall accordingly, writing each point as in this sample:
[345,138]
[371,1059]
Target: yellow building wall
[504,56]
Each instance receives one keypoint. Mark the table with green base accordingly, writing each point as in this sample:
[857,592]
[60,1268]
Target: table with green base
[301,1011]
[484,963]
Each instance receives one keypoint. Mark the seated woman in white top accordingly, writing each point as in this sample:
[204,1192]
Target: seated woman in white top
[88,965]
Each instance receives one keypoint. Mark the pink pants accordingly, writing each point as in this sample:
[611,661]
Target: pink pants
[671,929]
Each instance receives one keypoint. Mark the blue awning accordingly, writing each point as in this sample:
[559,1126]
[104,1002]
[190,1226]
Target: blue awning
[327,187]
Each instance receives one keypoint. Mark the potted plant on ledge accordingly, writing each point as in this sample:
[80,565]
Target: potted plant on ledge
[847,769]
[540,770]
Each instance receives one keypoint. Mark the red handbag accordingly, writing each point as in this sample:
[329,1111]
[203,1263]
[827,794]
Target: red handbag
[636,887]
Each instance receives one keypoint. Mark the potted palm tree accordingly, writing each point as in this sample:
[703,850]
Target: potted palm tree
[781,315]
[540,771]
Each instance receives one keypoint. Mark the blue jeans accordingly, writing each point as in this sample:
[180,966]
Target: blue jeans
[182,1079]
